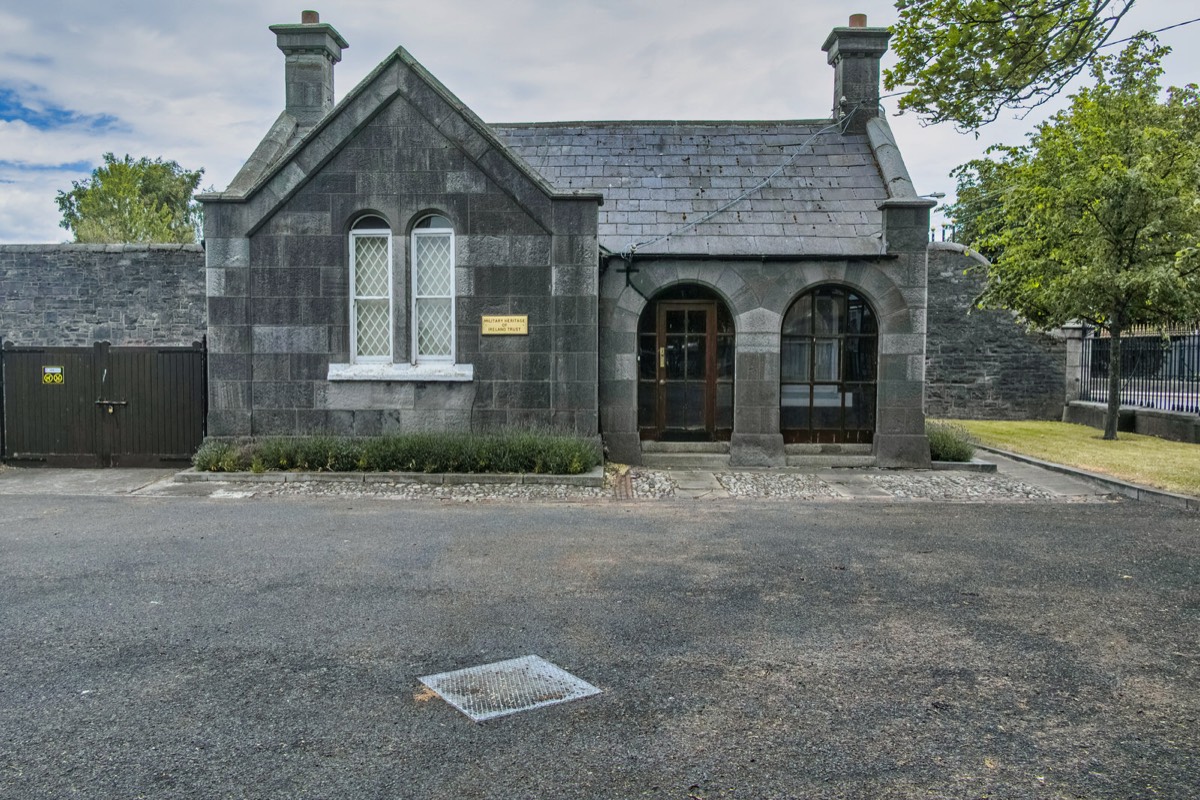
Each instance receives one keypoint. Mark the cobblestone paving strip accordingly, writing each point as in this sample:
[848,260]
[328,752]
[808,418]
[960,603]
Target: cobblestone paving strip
[961,487]
[790,486]
[649,484]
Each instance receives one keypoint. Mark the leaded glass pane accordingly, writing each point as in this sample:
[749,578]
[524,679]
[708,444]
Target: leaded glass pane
[372,330]
[794,359]
[370,266]
[435,327]
[829,311]
[434,265]
[798,321]
[825,360]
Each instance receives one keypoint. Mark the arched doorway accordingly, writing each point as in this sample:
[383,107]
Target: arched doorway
[828,357]
[685,366]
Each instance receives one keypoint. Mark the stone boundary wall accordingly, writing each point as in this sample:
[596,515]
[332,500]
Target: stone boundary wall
[72,295]
[984,364]
[1173,425]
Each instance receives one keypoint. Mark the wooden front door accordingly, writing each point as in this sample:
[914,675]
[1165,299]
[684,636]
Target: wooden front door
[686,371]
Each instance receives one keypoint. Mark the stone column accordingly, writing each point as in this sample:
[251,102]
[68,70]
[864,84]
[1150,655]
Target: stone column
[756,440]
[1073,333]
[900,417]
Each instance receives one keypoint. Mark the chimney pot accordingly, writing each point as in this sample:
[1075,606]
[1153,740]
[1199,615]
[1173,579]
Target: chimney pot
[312,18]
[858,20]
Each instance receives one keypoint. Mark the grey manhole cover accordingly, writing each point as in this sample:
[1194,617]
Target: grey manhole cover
[506,687]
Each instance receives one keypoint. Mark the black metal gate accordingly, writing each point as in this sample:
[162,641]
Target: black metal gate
[102,405]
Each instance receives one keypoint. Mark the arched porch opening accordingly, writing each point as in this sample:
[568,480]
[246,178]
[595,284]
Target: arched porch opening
[828,365]
[686,346]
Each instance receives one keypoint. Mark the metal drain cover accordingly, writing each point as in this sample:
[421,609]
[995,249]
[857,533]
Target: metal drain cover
[506,687]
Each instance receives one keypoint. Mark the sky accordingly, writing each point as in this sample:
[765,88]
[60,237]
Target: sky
[200,83]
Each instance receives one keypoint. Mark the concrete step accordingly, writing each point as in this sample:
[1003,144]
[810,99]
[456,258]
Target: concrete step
[830,461]
[700,461]
[827,449]
[685,447]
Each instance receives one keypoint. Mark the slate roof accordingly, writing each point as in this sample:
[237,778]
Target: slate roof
[657,177]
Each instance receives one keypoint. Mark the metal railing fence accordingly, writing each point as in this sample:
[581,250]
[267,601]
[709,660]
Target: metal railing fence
[1160,371]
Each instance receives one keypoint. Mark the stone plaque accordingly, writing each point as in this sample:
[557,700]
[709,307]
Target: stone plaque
[505,325]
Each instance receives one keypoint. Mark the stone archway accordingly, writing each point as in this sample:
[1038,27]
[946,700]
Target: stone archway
[828,366]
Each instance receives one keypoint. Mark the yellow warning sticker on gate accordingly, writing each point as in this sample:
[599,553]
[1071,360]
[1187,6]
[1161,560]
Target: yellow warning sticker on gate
[52,376]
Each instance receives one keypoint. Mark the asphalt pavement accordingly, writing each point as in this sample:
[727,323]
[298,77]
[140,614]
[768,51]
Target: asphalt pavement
[226,646]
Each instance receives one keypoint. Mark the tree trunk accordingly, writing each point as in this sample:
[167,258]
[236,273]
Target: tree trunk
[1114,380]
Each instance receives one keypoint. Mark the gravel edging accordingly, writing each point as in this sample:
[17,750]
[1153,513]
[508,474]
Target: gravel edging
[1131,490]
[593,478]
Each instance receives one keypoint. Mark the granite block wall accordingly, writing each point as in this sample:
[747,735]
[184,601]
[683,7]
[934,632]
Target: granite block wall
[279,294]
[984,364]
[73,295]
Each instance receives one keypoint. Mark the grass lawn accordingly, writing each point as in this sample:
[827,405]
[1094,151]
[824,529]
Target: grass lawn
[1146,460]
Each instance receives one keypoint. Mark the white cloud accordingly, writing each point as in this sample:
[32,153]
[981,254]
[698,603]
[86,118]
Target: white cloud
[27,212]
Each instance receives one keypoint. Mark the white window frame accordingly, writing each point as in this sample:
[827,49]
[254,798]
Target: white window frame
[355,358]
[416,356]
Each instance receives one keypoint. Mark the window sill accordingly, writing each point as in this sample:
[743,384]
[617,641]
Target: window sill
[410,373]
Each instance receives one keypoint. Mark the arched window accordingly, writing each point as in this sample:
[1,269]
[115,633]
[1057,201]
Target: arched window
[827,368]
[433,320]
[370,291]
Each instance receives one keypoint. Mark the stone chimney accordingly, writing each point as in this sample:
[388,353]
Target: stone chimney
[854,54]
[310,50]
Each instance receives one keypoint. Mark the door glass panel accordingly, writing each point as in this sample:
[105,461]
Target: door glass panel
[694,406]
[676,405]
[697,321]
[696,358]
[676,321]
[675,358]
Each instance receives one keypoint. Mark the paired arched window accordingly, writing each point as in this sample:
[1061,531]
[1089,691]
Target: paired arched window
[373,294]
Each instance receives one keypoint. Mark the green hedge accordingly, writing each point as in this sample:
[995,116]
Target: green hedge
[949,442]
[418,452]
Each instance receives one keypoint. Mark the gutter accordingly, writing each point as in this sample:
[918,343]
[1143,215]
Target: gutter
[607,258]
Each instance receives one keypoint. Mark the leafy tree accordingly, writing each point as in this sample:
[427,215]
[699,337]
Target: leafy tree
[133,201]
[1098,217]
[978,183]
[969,59]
